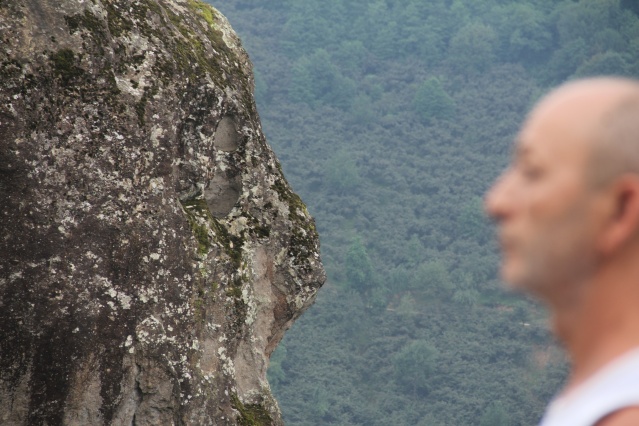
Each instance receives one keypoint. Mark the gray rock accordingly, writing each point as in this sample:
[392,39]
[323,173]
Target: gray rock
[151,252]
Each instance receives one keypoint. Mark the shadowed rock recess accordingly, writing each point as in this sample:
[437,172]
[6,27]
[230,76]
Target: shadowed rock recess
[151,253]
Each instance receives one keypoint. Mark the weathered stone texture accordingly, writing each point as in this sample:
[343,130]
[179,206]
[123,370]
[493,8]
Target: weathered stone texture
[151,252]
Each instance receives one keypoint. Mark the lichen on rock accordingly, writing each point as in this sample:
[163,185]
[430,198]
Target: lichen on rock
[151,252]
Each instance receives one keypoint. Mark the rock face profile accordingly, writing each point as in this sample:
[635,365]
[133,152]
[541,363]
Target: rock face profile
[151,252]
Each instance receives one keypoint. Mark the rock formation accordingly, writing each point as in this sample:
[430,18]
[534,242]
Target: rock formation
[151,253]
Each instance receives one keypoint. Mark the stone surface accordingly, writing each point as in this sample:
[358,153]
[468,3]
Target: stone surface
[151,252]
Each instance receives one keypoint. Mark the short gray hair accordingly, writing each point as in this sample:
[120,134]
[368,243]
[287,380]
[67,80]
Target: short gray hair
[616,142]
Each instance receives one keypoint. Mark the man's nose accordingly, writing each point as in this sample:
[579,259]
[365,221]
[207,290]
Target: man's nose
[498,200]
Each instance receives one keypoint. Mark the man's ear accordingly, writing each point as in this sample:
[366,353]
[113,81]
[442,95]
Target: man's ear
[622,210]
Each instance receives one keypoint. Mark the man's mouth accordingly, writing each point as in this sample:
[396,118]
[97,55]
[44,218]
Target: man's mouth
[506,243]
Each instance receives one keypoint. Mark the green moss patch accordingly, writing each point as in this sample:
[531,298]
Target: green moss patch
[293,200]
[204,10]
[251,414]
[115,21]
[304,234]
[140,107]
[87,21]
[196,210]
[63,62]
[239,311]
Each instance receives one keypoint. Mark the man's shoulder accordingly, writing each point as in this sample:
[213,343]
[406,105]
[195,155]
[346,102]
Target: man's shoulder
[610,397]
[624,417]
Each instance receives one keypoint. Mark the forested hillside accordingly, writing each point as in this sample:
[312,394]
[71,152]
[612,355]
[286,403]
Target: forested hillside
[391,119]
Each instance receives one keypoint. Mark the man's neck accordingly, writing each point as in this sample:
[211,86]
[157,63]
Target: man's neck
[600,323]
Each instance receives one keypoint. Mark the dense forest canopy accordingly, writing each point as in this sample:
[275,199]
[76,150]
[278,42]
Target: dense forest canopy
[391,118]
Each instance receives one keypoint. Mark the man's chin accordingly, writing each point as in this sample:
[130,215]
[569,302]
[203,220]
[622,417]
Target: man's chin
[513,286]
[524,284]
[514,280]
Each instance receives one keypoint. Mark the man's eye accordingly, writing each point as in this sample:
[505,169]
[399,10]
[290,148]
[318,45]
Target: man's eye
[531,173]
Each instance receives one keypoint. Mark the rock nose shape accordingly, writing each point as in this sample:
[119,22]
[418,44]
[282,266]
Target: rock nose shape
[152,255]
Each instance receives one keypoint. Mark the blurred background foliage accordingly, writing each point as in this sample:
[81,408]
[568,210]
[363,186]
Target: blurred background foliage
[391,118]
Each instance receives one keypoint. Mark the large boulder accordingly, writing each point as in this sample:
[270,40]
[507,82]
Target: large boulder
[151,252]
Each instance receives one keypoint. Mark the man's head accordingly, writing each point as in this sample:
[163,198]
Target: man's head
[569,201]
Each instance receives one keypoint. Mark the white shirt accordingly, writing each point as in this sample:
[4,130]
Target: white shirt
[613,387]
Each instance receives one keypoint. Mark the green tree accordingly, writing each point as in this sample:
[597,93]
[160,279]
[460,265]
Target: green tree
[433,276]
[466,297]
[472,49]
[316,80]
[359,268]
[432,102]
[306,29]
[414,364]
[466,293]
[609,63]
[495,415]
[341,172]
[631,5]
[302,87]
[276,374]
[565,60]
[400,279]
[362,111]
[525,31]
[382,32]
[351,56]
[473,222]
[586,18]
[261,88]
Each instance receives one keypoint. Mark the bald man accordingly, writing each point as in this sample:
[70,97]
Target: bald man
[567,211]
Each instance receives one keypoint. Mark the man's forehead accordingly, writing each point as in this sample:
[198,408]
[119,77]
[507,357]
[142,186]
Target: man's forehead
[551,139]
[559,123]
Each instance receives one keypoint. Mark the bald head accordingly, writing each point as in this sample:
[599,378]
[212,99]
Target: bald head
[603,115]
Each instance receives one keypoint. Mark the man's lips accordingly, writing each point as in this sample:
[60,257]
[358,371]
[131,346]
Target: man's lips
[506,243]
